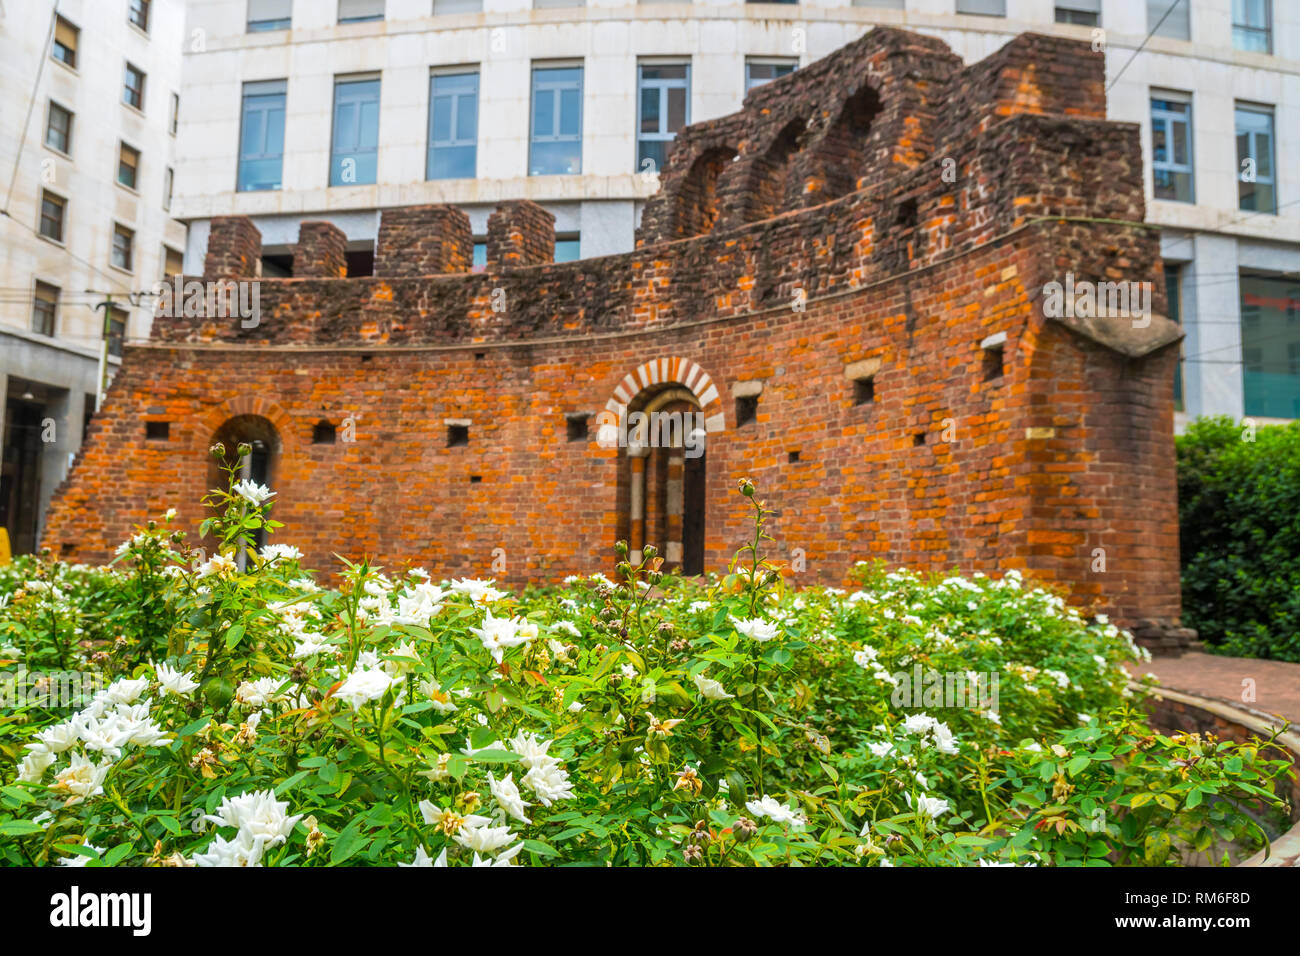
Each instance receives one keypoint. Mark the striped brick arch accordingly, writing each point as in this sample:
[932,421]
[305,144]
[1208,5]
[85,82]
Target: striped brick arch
[661,490]
[668,371]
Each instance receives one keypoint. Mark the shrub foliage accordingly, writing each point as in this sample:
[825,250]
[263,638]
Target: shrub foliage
[255,717]
[1239,516]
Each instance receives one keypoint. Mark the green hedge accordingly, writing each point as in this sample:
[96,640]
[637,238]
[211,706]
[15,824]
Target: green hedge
[1239,517]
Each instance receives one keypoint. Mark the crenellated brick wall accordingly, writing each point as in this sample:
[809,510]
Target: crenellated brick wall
[520,233]
[859,256]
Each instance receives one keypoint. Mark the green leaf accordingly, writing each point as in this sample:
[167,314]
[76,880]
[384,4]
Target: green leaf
[19,828]
[119,853]
[1077,764]
[348,842]
[234,636]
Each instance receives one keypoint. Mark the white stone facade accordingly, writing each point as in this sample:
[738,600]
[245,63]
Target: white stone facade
[50,365]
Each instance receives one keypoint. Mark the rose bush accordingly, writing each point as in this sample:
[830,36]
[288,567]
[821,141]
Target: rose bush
[252,716]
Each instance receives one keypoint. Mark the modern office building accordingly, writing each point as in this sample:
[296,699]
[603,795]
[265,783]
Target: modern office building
[334,109]
[91,92]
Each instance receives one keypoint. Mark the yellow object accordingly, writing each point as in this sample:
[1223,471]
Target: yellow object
[4,546]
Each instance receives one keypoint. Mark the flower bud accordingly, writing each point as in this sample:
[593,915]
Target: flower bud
[747,487]
[743,829]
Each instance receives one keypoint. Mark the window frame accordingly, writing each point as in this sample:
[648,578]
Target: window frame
[1168,118]
[344,80]
[457,97]
[1258,109]
[557,88]
[241,156]
[119,315]
[1266,30]
[266,26]
[169,250]
[338,14]
[120,229]
[663,85]
[54,41]
[54,307]
[773,61]
[1153,21]
[62,202]
[127,70]
[146,10]
[50,106]
[123,147]
[958,11]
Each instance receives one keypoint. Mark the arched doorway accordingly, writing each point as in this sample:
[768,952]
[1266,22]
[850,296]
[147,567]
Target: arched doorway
[258,466]
[662,468]
[660,418]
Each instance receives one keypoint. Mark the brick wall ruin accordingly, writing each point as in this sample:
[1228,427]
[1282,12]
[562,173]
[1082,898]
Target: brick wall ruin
[839,291]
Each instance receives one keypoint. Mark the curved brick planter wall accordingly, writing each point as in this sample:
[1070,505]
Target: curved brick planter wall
[1172,710]
[862,251]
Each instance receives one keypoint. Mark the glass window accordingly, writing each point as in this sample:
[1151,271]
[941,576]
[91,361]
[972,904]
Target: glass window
[45,308]
[354,156]
[1256,182]
[1174,293]
[169,180]
[116,330]
[987,8]
[480,256]
[1084,13]
[58,128]
[549,4]
[173,262]
[261,136]
[137,11]
[444,7]
[758,72]
[1270,345]
[53,209]
[133,88]
[123,247]
[567,248]
[1252,25]
[1170,18]
[64,47]
[556,142]
[176,112]
[663,107]
[1171,149]
[264,15]
[128,165]
[453,126]
[359,11]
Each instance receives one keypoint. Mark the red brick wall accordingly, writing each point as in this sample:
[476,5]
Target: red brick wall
[1070,450]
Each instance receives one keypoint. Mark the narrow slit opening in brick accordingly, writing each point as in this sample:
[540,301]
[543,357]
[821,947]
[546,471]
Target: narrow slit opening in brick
[323,433]
[475,479]
[992,363]
[157,431]
[792,457]
[746,409]
[918,439]
[864,390]
[457,435]
[575,427]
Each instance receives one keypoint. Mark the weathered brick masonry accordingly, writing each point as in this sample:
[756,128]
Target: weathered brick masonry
[853,265]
